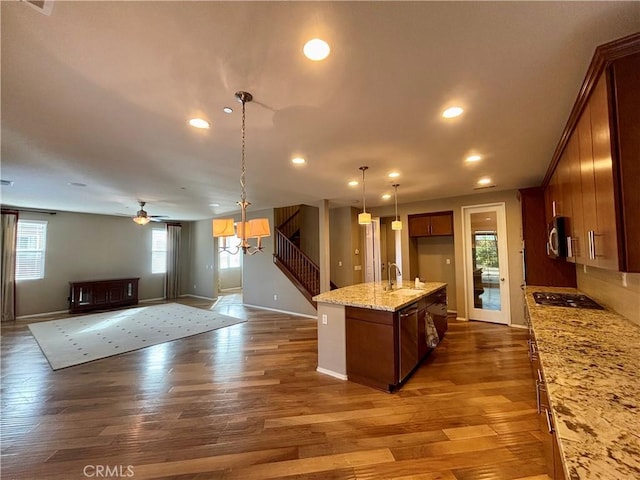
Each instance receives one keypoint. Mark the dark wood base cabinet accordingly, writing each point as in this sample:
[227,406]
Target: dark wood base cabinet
[553,456]
[102,294]
[385,348]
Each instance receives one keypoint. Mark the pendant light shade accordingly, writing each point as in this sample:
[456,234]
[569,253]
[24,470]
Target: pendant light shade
[364,218]
[245,230]
[396,224]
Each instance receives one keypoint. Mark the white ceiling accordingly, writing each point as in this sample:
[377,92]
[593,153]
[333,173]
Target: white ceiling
[100,92]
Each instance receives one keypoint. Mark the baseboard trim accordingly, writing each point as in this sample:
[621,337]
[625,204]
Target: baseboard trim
[315,317]
[462,319]
[331,373]
[36,315]
[198,296]
[148,300]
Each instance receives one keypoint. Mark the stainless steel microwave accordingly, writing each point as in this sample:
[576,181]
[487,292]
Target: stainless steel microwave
[556,238]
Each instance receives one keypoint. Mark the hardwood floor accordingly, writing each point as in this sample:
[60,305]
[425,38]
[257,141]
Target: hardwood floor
[245,402]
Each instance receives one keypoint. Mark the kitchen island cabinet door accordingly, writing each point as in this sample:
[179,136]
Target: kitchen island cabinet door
[371,343]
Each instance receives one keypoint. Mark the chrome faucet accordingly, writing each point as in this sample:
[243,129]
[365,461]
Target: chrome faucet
[389,274]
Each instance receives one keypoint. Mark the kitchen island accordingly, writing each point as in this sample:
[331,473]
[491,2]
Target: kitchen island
[588,361]
[378,336]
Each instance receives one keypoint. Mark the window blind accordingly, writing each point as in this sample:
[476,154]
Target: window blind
[30,249]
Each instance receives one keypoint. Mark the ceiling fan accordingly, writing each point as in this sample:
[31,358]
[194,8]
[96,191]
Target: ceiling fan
[142,217]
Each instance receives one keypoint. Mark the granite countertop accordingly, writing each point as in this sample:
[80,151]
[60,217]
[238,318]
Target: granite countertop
[374,296]
[591,363]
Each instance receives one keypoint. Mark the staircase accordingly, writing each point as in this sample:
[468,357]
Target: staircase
[298,267]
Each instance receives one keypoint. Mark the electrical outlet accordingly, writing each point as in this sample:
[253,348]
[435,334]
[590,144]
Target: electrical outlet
[448,261]
[194,286]
[324,319]
[275,297]
[340,263]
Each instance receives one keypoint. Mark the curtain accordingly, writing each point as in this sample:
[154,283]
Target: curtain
[8,237]
[174,234]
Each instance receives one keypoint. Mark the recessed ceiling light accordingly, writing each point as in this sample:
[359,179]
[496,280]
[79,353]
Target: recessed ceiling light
[77,184]
[316,49]
[298,160]
[473,158]
[199,123]
[452,112]
[227,110]
[386,196]
[484,181]
[353,183]
[394,174]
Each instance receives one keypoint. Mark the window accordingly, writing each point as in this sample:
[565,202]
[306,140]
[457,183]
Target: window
[30,249]
[226,259]
[159,250]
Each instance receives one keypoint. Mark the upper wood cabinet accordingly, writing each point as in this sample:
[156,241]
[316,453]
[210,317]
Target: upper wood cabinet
[431,224]
[594,178]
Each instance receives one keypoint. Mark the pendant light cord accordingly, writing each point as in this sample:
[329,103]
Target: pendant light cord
[395,194]
[243,196]
[364,197]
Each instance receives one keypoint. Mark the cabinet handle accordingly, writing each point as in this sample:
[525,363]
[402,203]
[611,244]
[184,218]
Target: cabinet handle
[569,247]
[591,245]
[553,208]
[549,421]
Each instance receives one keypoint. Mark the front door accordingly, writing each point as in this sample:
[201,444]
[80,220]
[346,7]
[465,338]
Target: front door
[486,265]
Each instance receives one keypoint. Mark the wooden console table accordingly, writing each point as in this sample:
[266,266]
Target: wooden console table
[102,294]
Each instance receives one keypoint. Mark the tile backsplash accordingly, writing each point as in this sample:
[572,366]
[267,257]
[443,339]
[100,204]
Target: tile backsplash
[608,288]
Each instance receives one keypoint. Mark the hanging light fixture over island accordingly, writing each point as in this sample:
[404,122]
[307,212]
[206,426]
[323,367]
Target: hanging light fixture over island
[364,218]
[396,224]
[245,229]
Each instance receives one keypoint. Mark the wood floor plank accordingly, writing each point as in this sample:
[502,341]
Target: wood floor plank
[247,402]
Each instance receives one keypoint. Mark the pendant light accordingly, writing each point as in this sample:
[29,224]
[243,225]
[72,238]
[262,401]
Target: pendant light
[245,229]
[396,224]
[364,218]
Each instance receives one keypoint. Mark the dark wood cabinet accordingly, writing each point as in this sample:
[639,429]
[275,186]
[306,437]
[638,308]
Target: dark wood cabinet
[595,170]
[383,348]
[551,449]
[539,268]
[102,294]
[431,224]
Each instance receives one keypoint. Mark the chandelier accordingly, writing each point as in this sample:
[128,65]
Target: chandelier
[245,230]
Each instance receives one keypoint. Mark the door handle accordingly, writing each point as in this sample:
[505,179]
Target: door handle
[502,279]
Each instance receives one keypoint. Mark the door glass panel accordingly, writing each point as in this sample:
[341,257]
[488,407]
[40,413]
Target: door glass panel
[486,264]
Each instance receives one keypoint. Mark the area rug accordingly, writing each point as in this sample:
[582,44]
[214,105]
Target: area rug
[76,340]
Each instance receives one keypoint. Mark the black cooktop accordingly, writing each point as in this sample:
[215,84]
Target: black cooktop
[565,300]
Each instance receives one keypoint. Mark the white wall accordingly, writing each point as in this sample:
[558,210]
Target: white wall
[90,247]
[264,285]
[203,271]
[514,241]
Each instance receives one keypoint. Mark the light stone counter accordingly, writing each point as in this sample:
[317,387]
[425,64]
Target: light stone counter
[591,363]
[332,356]
[374,295]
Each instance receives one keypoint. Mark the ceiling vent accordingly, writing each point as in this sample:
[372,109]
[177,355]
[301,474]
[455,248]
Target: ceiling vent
[43,6]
